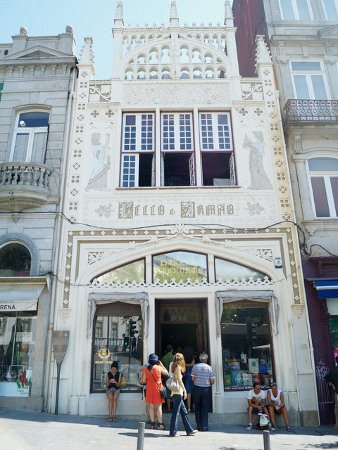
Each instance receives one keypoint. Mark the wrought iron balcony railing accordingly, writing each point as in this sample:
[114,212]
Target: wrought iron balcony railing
[311,111]
[23,185]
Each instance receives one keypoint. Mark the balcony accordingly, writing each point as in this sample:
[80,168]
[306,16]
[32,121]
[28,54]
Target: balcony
[310,111]
[23,185]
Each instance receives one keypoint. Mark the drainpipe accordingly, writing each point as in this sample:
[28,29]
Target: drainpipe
[48,384]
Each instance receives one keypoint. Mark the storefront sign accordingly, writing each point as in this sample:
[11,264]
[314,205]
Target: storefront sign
[18,306]
[60,345]
[130,210]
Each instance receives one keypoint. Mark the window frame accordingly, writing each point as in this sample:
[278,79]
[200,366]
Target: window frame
[31,131]
[215,131]
[308,74]
[295,10]
[177,143]
[326,175]
[137,146]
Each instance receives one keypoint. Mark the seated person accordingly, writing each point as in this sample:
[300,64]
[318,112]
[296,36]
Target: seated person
[275,400]
[256,403]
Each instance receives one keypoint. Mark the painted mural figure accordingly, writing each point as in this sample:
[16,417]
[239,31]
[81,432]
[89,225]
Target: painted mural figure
[259,178]
[101,163]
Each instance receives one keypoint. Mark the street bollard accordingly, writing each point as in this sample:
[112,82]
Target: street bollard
[140,435]
[266,439]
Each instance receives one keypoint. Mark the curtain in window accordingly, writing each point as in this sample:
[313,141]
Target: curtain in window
[20,147]
[39,147]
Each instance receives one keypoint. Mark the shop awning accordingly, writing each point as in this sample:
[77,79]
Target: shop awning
[327,288]
[19,297]
[95,299]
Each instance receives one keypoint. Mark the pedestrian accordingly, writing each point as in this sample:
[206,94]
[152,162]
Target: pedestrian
[152,377]
[177,370]
[167,360]
[276,405]
[256,403]
[188,383]
[113,384]
[332,378]
[203,377]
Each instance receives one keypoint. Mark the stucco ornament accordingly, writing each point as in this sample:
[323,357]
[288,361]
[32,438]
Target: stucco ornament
[255,146]
[101,163]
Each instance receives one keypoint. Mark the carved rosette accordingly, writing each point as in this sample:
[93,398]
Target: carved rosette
[298,310]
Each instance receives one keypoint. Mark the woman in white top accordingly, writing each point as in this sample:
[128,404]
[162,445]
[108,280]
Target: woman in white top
[276,405]
[177,368]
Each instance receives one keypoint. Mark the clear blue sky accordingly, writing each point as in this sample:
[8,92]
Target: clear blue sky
[95,18]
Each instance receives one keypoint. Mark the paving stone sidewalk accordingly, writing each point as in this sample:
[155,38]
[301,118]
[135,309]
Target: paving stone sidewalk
[21,430]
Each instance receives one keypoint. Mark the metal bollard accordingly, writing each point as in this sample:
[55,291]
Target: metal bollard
[140,435]
[266,439]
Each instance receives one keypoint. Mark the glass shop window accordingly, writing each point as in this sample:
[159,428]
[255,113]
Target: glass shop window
[246,346]
[17,343]
[117,336]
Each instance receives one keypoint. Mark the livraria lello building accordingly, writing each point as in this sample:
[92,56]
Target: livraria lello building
[179,223]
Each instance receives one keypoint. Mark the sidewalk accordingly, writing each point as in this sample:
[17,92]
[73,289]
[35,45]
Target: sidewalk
[21,430]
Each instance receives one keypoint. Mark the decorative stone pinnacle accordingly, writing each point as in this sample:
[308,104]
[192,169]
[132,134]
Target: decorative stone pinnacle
[262,51]
[228,16]
[69,29]
[119,11]
[87,55]
[23,31]
[174,19]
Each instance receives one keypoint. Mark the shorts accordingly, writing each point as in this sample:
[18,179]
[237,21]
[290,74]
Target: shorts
[278,411]
[113,388]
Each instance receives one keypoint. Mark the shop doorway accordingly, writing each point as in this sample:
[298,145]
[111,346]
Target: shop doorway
[183,324]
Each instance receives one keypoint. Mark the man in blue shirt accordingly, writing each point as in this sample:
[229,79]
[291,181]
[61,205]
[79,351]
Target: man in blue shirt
[203,378]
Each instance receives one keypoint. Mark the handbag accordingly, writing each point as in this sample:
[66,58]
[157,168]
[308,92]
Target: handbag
[172,384]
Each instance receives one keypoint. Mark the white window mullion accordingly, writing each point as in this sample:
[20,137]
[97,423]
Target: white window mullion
[329,195]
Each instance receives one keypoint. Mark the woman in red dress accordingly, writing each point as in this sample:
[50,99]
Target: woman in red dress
[152,374]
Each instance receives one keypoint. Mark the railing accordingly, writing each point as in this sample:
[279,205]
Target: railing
[311,111]
[27,175]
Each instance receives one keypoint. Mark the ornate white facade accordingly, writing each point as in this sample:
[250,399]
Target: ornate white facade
[174,92]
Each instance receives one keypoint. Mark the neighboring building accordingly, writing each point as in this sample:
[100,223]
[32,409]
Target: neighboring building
[181,221]
[303,38]
[37,76]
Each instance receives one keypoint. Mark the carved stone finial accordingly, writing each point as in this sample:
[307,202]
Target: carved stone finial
[174,19]
[262,51]
[119,11]
[23,31]
[69,29]
[87,55]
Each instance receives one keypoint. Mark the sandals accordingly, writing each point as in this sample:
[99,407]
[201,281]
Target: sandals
[110,419]
[114,419]
[160,426]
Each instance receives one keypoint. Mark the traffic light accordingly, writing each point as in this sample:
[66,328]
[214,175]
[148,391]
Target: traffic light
[132,327]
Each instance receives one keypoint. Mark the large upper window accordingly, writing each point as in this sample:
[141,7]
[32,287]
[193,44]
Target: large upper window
[331,9]
[227,270]
[177,155]
[15,260]
[296,10]
[246,345]
[137,156]
[309,80]
[216,148]
[323,174]
[30,137]
[179,267]
[129,273]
